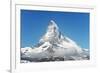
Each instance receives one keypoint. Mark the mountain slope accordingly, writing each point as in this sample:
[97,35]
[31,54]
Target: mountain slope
[53,46]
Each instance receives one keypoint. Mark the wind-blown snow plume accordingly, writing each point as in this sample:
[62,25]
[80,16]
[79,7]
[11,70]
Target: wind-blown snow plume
[54,46]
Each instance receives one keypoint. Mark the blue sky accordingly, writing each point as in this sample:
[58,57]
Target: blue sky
[34,23]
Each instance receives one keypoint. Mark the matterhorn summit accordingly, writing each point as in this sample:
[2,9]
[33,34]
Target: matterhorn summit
[53,46]
[52,32]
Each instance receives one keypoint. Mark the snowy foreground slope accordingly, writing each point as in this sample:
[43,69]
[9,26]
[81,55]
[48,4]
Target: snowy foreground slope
[54,46]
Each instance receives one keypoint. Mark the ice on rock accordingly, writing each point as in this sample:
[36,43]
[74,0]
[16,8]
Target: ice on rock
[54,46]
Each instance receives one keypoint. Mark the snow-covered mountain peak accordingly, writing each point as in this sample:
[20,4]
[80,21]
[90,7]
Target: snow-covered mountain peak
[53,24]
[52,27]
[55,37]
[54,45]
[51,33]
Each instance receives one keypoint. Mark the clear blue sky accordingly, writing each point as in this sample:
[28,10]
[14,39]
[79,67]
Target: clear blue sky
[34,23]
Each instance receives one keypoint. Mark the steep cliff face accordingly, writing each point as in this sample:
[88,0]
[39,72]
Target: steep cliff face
[54,46]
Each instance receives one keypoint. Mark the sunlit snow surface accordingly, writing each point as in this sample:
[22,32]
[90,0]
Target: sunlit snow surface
[53,46]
